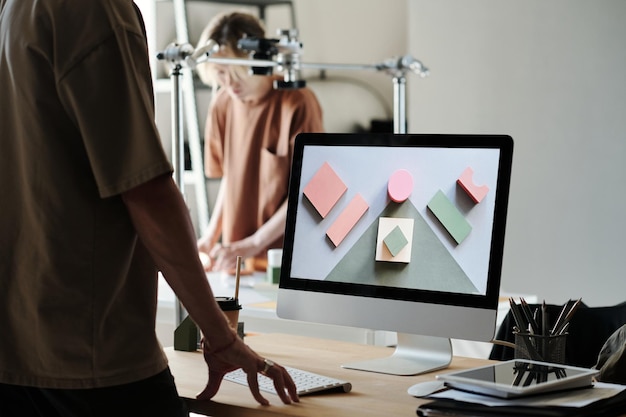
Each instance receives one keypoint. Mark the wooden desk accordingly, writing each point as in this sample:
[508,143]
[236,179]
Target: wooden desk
[372,394]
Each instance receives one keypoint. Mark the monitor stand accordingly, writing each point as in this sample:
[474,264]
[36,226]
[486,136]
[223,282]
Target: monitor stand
[414,355]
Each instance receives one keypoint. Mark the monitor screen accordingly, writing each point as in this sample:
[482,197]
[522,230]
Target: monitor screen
[397,232]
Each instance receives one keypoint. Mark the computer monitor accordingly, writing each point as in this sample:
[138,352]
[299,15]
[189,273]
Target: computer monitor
[401,233]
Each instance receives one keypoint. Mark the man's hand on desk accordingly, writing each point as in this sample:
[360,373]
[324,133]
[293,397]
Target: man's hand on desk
[238,355]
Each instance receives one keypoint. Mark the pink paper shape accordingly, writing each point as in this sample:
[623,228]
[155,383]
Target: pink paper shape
[347,219]
[400,185]
[475,192]
[324,189]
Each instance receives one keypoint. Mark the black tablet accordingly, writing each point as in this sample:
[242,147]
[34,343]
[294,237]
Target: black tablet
[518,377]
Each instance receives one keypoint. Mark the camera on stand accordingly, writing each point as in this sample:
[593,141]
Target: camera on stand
[285,52]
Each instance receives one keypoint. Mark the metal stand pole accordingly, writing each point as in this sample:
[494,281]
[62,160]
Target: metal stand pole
[178,129]
[178,154]
[399,104]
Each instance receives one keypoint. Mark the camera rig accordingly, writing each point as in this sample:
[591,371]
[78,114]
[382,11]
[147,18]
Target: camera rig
[284,55]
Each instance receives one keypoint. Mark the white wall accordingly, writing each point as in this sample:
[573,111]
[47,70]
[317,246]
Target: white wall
[550,74]
[354,32]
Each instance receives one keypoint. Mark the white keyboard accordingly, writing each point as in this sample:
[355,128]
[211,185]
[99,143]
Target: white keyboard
[306,382]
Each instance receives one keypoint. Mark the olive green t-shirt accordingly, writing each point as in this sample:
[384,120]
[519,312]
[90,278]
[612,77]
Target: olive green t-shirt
[78,290]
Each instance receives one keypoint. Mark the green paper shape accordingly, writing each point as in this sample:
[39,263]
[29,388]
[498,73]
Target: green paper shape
[450,217]
[395,241]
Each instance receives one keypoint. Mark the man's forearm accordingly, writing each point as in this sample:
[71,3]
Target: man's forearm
[162,221]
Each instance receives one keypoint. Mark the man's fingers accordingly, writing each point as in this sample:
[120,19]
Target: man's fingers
[293,391]
[283,384]
[281,390]
[212,386]
[253,384]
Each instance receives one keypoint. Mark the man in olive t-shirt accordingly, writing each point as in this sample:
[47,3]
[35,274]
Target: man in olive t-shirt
[89,213]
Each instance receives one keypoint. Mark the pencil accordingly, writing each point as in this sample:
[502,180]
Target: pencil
[544,330]
[558,321]
[237,277]
[569,315]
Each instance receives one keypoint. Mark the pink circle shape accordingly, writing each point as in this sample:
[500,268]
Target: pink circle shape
[400,185]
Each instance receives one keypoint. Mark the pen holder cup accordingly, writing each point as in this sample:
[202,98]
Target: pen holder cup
[230,306]
[540,348]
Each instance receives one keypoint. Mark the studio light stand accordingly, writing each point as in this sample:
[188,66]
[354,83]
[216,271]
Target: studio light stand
[282,54]
[179,57]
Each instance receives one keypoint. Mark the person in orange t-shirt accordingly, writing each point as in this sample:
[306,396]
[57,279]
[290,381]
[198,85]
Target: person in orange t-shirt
[249,138]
